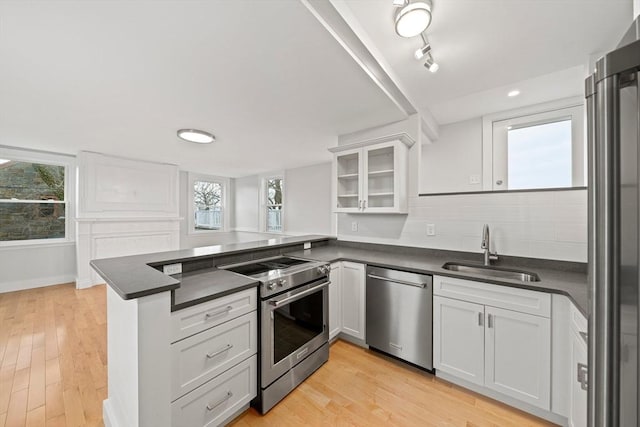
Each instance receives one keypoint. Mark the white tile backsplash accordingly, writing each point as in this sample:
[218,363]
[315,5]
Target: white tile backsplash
[550,225]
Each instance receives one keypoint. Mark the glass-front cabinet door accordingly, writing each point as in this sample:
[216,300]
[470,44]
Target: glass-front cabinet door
[372,178]
[348,173]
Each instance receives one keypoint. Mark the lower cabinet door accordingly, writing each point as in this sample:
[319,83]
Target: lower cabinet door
[353,299]
[458,338]
[213,402]
[335,301]
[518,355]
[577,387]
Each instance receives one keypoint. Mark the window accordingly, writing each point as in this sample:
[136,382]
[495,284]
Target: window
[539,150]
[274,190]
[208,200]
[34,197]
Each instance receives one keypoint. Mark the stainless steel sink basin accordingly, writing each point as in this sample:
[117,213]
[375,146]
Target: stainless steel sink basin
[501,273]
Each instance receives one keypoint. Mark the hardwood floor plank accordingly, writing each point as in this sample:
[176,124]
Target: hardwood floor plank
[17,412]
[36,417]
[54,401]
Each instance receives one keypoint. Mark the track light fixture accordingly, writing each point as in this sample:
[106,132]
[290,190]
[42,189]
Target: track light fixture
[431,64]
[412,18]
[420,53]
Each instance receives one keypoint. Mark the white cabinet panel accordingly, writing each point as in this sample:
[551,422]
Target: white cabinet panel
[335,300]
[521,300]
[201,357]
[458,338]
[353,299]
[203,316]
[215,401]
[577,392]
[518,355]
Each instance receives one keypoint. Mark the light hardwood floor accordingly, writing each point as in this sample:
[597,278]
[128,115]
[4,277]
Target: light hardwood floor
[53,372]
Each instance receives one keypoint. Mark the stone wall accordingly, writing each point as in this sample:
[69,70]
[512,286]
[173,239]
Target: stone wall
[24,221]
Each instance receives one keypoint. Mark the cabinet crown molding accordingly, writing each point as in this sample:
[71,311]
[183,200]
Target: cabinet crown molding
[402,137]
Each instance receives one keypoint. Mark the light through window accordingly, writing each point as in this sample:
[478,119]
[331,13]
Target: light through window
[274,204]
[207,199]
[539,156]
[32,201]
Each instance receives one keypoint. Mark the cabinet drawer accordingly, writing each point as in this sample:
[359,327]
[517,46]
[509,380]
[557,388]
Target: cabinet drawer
[522,300]
[578,321]
[213,402]
[201,357]
[203,316]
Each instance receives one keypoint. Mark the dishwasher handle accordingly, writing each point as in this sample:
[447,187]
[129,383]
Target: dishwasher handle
[401,282]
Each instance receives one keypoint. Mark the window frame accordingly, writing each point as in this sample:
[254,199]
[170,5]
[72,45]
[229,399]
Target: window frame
[572,108]
[264,202]
[224,182]
[54,159]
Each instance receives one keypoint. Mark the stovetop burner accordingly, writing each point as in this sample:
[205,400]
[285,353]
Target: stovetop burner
[268,265]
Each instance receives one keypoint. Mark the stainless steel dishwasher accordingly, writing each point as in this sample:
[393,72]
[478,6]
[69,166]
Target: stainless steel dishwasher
[400,315]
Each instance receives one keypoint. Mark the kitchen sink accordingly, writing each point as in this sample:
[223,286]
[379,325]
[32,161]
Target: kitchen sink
[497,272]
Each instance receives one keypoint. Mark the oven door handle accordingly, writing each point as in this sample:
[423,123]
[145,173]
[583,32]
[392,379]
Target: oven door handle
[277,303]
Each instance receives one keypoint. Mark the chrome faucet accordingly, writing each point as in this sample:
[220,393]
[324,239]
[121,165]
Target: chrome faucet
[486,245]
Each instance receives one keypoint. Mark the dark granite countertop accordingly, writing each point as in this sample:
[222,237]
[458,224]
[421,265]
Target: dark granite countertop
[573,284]
[199,286]
[135,276]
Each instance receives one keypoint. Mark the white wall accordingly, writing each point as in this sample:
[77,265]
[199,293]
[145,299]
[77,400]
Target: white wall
[461,141]
[548,225]
[37,265]
[307,200]
[636,8]
[247,203]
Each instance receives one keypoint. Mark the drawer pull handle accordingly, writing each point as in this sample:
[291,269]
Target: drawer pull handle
[222,350]
[490,321]
[212,406]
[218,313]
[396,346]
[480,319]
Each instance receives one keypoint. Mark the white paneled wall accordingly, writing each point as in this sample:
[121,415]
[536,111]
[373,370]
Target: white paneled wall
[549,225]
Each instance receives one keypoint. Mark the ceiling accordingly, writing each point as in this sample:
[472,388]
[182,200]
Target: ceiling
[274,86]
[121,77]
[487,47]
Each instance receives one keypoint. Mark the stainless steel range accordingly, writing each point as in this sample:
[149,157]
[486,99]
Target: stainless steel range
[294,310]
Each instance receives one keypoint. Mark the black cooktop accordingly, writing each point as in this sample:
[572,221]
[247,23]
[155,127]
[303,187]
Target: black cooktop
[267,265]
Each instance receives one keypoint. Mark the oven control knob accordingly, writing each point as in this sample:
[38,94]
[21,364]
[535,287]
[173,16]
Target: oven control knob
[324,269]
[282,282]
[271,286]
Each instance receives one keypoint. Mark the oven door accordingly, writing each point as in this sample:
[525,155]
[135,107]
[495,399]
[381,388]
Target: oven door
[294,324]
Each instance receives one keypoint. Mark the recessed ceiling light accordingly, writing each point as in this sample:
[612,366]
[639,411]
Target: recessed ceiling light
[195,135]
[413,19]
[513,93]
[3,161]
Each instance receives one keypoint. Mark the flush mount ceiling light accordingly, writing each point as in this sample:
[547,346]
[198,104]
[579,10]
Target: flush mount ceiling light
[412,18]
[431,65]
[195,135]
[3,161]
[513,93]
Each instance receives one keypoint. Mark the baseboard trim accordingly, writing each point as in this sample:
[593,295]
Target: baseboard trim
[533,410]
[107,415]
[21,285]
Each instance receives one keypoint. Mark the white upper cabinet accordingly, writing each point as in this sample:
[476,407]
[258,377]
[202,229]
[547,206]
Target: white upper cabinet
[371,177]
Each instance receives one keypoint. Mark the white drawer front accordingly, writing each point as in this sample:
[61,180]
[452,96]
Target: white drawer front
[216,400]
[203,316]
[522,300]
[201,357]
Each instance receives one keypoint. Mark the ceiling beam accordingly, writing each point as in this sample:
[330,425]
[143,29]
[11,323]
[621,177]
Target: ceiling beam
[336,17]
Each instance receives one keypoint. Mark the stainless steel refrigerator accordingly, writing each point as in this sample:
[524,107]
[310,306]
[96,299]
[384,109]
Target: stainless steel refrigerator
[613,113]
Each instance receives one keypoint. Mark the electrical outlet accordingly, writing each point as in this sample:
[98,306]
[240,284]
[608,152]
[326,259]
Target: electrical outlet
[474,179]
[307,245]
[431,229]
[172,268]
[354,226]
